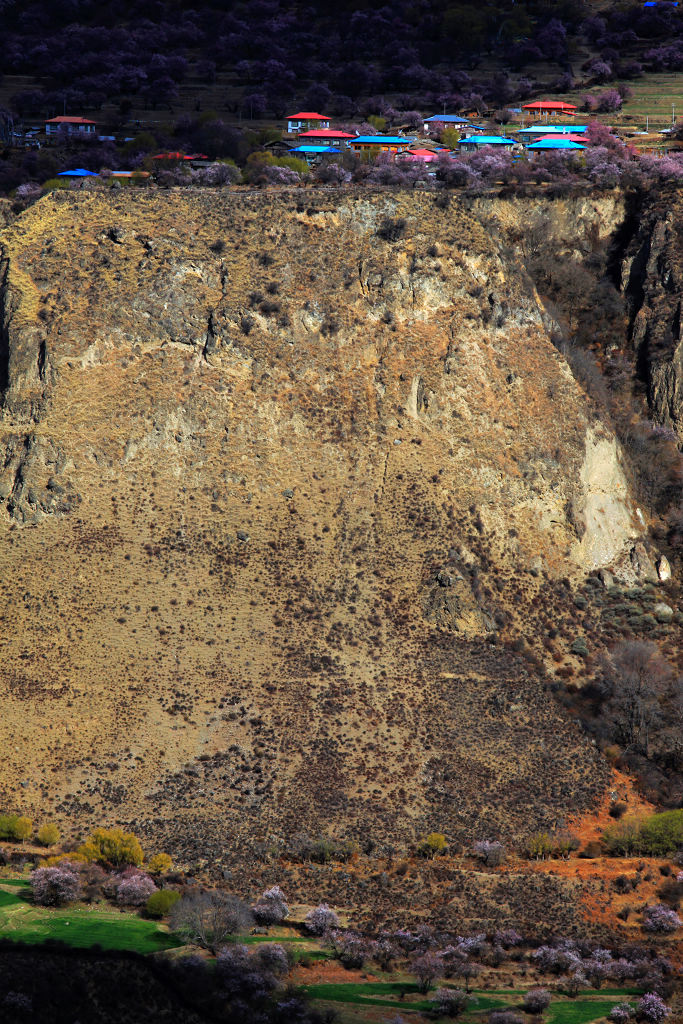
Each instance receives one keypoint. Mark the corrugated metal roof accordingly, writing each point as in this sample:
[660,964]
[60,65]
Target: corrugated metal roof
[488,140]
[65,119]
[315,149]
[325,133]
[548,105]
[563,138]
[554,129]
[378,140]
[447,119]
[555,144]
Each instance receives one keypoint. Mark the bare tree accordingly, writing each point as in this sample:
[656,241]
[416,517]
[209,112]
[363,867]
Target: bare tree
[637,678]
[208,919]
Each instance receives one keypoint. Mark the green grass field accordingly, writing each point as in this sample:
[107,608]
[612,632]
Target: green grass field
[404,996]
[580,1011]
[83,926]
[390,993]
[375,994]
[78,926]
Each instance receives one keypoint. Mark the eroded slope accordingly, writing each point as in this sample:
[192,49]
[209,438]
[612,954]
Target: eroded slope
[280,474]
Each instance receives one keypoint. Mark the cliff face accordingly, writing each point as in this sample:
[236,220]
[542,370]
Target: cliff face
[280,477]
[652,276]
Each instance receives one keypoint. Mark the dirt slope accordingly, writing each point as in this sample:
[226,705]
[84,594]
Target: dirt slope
[282,478]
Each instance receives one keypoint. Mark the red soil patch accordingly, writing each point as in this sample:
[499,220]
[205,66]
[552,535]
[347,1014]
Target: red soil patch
[591,826]
[329,972]
[600,901]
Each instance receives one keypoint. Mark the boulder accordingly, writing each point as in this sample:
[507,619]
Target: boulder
[642,564]
[663,568]
[606,578]
[663,612]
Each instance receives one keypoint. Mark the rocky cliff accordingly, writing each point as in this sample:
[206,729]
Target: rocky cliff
[283,480]
[652,278]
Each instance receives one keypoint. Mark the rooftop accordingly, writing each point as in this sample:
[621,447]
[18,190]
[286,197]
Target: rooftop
[555,144]
[488,140]
[565,138]
[315,149]
[325,133]
[554,129]
[65,119]
[307,116]
[447,119]
[387,140]
[548,105]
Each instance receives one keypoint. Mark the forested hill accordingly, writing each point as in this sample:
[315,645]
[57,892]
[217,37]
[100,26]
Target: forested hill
[86,54]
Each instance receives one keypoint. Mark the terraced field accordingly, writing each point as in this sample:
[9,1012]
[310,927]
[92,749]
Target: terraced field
[654,96]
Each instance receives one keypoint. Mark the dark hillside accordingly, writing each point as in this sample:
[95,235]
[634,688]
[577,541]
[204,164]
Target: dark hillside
[255,60]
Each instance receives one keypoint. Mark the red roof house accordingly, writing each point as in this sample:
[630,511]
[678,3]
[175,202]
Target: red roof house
[72,125]
[326,133]
[325,137]
[304,120]
[567,136]
[428,156]
[549,107]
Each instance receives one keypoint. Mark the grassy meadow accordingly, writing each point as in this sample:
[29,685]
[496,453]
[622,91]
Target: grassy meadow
[79,926]
[405,998]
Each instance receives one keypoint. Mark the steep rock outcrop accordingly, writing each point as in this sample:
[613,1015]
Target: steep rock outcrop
[652,276]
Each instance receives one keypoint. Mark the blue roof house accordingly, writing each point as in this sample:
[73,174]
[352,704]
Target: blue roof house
[446,119]
[475,142]
[312,154]
[554,129]
[555,145]
[380,143]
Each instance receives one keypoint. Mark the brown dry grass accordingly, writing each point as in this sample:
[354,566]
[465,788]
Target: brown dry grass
[159,671]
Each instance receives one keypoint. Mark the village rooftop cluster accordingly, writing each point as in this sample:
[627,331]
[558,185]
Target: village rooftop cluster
[309,136]
[316,139]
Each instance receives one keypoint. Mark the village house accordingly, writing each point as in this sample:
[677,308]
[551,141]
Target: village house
[380,144]
[70,125]
[325,137]
[566,137]
[436,124]
[536,131]
[554,145]
[313,154]
[550,107]
[427,156]
[474,142]
[303,121]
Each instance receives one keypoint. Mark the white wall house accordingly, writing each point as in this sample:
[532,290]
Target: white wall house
[72,125]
